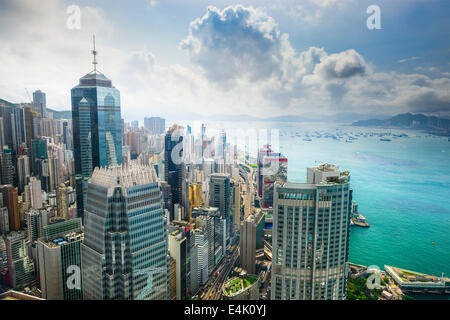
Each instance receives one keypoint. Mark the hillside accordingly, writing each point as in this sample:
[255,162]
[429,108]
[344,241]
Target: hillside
[65,114]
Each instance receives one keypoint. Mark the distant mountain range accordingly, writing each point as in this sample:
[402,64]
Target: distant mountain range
[409,120]
[66,114]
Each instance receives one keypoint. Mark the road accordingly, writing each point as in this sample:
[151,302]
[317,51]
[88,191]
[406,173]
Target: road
[224,269]
[249,190]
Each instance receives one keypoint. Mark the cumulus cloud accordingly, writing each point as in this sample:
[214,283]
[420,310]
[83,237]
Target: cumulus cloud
[241,63]
[240,43]
[243,45]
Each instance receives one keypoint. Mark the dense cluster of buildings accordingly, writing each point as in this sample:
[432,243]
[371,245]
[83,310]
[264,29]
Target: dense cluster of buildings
[94,207]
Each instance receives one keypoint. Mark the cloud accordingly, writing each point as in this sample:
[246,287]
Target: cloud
[407,59]
[152,3]
[240,63]
[240,44]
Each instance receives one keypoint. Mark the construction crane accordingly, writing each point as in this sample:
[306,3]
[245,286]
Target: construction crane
[28,94]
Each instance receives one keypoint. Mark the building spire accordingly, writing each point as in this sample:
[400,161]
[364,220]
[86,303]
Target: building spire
[94,52]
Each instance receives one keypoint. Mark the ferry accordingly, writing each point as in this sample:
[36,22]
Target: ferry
[359,220]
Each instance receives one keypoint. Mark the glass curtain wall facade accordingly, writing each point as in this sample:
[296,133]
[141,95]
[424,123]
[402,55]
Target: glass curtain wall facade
[97,130]
[125,250]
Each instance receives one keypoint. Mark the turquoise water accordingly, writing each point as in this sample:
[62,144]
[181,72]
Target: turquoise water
[402,188]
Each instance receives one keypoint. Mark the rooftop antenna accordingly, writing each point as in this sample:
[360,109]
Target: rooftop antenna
[95,52]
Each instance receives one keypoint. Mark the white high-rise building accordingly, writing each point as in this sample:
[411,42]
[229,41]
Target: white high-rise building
[311,227]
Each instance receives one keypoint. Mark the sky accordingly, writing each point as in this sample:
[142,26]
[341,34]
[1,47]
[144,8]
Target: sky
[262,58]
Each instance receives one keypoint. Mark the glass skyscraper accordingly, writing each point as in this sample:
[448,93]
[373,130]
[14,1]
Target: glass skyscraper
[125,251]
[97,129]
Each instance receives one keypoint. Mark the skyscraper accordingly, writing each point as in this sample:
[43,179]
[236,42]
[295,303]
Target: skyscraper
[62,202]
[6,167]
[125,249]
[249,239]
[311,223]
[173,163]
[155,125]
[39,103]
[20,266]
[59,253]
[97,128]
[23,172]
[38,152]
[219,197]
[274,169]
[6,112]
[10,200]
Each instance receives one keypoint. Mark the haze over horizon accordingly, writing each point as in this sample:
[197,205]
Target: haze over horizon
[260,59]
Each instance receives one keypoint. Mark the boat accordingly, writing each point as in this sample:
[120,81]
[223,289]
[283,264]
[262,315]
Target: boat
[385,139]
[359,220]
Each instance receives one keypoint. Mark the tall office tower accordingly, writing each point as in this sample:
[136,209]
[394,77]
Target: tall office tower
[136,224]
[62,202]
[21,268]
[97,128]
[173,279]
[262,152]
[178,249]
[10,200]
[67,135]
[59,256]
[274,170]
[311,226]
[4,218]
[167,197]
[251,239]
[54,172]
[48,127]
[155,125]
[18,126]
[36,221]
[29,132]
[135,124]
[205,222]
[43,173]
[6,112]
[39,103]
[219,197]
[4,278]
[195,197]
[184,281]
[199,259]
[6,167]
[219,247]
[33,193]
[235,198]
[2,134]
[173,162]
[38,152]
[23,172]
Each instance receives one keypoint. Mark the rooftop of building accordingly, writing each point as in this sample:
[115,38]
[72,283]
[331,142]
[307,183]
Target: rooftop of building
[64,239]
[95,79]
[327,167]
[15,295]
[127,175]
[236,285]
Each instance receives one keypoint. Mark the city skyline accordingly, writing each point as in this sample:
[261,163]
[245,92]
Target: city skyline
[270,61]
[254,151]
